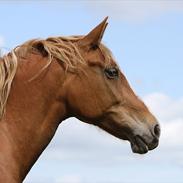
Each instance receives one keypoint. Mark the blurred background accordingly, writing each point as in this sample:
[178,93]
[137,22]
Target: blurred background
[146,38]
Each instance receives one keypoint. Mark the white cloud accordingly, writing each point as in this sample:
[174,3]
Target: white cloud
[166,108]
[69,179]
[77,141]
[170,114]
[172,133]
[134,10]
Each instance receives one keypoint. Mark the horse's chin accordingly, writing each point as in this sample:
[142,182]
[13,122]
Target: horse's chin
[138,145]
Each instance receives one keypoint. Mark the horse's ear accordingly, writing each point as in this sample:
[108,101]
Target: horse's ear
[93,38]
[40,47]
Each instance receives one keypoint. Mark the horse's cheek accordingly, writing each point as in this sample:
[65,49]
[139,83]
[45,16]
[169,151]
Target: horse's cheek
[84,103]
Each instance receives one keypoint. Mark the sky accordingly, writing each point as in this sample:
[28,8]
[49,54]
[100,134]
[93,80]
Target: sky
[146,38]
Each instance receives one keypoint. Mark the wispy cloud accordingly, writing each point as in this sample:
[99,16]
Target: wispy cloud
[135,10]
[69,179]
[170,113]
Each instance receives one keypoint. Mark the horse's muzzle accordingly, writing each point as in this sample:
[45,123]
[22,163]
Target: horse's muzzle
[142,144]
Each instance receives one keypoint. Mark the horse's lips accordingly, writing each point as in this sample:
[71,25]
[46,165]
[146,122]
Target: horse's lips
[138,145]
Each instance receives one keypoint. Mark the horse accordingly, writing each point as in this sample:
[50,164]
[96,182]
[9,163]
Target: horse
[45,81]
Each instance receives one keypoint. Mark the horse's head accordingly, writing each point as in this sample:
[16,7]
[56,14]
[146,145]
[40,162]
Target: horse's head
[99,94]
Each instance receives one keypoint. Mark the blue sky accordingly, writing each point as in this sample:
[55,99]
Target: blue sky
[146,38]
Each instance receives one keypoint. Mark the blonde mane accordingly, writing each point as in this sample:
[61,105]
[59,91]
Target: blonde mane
[63,49]
[8,67]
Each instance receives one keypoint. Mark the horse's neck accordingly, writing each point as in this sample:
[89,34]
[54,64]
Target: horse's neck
[32,116]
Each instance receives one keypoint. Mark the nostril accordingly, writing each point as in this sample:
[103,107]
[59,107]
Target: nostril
[157,130]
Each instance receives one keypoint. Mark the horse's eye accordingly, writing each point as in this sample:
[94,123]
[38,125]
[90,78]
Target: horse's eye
[111,73]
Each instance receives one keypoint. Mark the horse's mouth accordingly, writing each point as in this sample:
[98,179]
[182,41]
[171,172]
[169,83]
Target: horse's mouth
[138,145]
